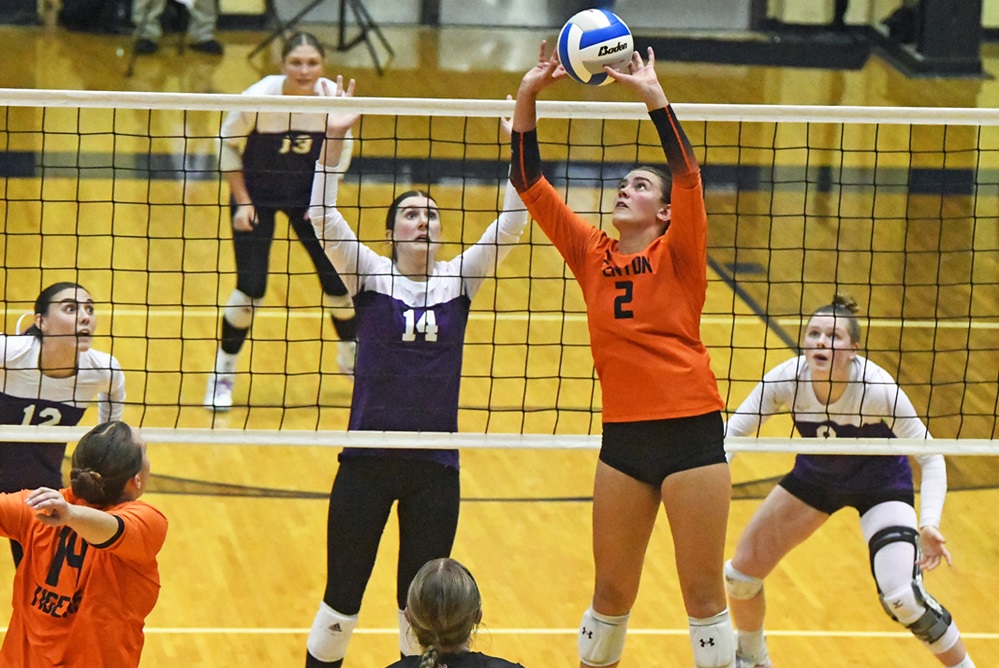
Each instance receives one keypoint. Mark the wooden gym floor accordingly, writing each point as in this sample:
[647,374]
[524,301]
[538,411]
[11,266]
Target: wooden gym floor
[243,567]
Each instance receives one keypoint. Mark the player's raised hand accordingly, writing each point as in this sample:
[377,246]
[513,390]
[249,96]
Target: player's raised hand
[641,77]
[337,124]
[545,73]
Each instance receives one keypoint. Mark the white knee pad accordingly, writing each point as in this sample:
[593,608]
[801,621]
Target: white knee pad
[713,640]
[330,634]
[601,638]
[408,646]
[341,306]
[740,586]
[239,309]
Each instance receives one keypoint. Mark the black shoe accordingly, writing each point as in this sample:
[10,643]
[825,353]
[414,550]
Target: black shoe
[211,46]
[144,47]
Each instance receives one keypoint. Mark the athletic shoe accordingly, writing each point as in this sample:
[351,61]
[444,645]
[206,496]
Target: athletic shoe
[210,46]
[346,353]
[743,663]
[218,395]
[145,47]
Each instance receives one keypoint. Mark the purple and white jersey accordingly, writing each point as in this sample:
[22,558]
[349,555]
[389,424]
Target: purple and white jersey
[873,406]
[410,334]
[276,151]
[28,397]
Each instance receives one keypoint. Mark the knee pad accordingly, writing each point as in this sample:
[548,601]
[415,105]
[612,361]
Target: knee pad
[239,309]
[740,586]
[601,638]
[408,646]
[330,634]
[913,607]
[713,640]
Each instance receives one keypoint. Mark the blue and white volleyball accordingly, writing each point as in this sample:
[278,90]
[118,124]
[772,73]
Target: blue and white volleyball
[591,39]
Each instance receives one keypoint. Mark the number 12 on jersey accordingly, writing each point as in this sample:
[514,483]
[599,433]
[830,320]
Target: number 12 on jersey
[426,325]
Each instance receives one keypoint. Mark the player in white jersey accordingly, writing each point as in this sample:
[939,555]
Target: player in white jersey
[833,392]
[268,159]
[50,374]
[412,311]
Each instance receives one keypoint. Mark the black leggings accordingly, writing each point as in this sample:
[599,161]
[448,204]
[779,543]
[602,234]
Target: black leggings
[362,496]
[253,251]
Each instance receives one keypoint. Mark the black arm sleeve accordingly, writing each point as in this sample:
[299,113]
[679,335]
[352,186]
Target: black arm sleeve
[679,152]
[525,162]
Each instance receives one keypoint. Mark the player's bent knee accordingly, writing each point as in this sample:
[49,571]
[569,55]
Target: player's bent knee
[330,634]
[713,641]
[601,638]
[239,309]
[740,586]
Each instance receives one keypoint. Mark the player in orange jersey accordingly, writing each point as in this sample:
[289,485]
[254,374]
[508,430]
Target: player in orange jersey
[89,576]
[662,425]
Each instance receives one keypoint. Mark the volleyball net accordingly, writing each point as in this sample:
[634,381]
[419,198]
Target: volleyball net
[122,193]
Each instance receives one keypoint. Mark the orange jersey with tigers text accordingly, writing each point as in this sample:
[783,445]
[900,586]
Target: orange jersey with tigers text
[77,605]
[643,309]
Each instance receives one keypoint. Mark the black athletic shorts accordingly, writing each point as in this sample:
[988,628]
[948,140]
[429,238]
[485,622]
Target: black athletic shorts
[829,501]
[651,450]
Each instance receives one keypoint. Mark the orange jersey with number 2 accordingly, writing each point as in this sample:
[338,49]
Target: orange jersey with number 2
[643,309]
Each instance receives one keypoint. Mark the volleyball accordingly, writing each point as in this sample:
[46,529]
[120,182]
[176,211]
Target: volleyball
[591,39]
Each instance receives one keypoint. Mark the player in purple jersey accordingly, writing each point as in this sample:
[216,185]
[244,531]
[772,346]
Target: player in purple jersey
[444,607]
[832,392]
[269,159]
[49,377]
[412,310]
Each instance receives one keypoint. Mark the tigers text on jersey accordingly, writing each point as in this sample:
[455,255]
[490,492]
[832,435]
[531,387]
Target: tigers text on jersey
[643,309]
[77,605]
[872,406]
[29,397]
[410,335]
[279,150]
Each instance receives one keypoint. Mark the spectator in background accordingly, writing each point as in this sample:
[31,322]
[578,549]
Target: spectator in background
[200,25]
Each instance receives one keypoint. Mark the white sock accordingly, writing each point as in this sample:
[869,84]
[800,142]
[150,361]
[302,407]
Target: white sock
[752,645]
[224,362]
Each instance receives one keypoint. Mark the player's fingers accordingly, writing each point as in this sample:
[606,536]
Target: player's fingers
[652,57]
[350,88]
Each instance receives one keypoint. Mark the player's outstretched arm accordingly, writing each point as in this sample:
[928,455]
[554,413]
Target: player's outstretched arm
[51,508]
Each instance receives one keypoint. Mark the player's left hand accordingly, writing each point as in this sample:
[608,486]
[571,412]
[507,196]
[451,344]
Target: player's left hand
[50,506]
[506,124]
[641,77]
[933,548]
[338,124]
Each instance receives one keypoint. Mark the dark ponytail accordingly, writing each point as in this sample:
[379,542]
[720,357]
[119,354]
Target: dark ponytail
[103,462]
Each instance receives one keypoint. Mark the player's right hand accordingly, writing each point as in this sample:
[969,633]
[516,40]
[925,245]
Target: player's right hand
[245,218]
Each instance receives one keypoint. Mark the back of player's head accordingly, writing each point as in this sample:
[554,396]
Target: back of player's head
[843,306]
[302,39]
[444,606]
[104,460]
[45,299]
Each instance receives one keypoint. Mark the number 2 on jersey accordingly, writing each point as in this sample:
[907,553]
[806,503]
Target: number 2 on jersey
[622,300]
[426,325]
